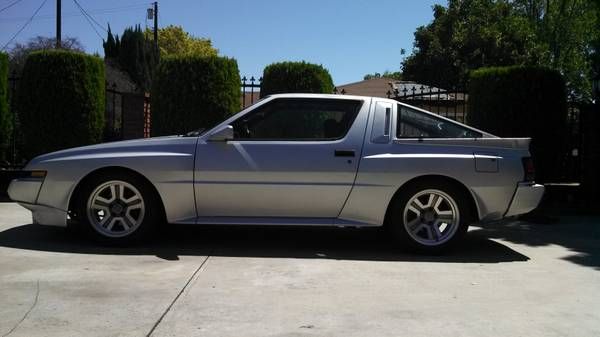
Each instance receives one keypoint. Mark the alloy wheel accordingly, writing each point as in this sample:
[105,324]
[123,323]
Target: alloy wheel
[431,217]
[115,209]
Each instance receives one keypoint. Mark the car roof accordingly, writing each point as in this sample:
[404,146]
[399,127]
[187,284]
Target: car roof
[330,96]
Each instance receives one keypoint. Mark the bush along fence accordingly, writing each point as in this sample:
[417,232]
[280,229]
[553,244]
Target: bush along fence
[538,110]
[5,114]
[126,116]
[193,92]
[74,85]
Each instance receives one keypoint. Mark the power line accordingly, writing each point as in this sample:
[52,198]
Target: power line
[88,20]
[10,5]
[77,14]
[89,16]
[25,25]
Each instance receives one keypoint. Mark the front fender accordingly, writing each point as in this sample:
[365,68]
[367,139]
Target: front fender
[168,166]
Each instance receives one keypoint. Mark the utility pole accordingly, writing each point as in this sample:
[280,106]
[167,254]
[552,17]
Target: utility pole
[58,23]
[155,24]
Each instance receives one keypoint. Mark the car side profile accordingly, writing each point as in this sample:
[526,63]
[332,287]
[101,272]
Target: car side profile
[292,159]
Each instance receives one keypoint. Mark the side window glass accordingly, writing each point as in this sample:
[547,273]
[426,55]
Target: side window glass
[298,119]
[415,124]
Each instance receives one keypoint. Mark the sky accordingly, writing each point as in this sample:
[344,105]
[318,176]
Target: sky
[350,38]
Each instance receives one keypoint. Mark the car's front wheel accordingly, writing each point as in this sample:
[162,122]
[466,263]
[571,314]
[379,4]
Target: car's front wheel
[430,217]
[117,208]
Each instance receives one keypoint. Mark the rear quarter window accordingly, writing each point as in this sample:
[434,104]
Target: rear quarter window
[412,123]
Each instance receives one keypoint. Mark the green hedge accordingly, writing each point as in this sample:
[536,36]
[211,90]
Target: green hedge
[523,101]
[191,92]
[60,100]
[300,77]
[5,115]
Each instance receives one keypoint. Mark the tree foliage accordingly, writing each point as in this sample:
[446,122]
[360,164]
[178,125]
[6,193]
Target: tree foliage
[396,75]
[539,110]
[174,41]
[5,113]
[60,100]
[470,34]
[191,92]
[18,54]
[299,77]
[135,54]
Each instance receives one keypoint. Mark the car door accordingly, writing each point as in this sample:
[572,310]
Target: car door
[290,157]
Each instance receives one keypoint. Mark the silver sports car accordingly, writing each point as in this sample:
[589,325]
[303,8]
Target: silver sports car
[292,159]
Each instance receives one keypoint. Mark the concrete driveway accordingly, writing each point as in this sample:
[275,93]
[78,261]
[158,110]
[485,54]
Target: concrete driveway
[514,279]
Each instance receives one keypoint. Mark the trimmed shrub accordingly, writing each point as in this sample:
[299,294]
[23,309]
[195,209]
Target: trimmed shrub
[60,100]
[523,102]
[5,115]
[295,77]
[191,92]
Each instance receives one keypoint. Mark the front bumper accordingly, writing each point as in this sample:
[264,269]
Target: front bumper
[25,191]
[46,215]
[526,198]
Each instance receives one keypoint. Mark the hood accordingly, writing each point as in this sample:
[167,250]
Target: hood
[120,148]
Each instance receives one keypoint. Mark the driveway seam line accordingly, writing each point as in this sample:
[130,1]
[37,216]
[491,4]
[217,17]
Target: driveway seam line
[192,277]
[35,301]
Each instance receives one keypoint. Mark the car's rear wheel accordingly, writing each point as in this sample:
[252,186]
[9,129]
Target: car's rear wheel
[430,217]
[118,208]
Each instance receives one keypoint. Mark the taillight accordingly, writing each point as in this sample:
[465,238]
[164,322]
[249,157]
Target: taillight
[529,169]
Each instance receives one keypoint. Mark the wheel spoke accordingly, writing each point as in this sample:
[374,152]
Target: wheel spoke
[131,221]
[109,223]
[446,215]
[431,200]
[438,202]
[418,228]
[135,200]
[127,223]
[415,210]
[418,204]
[119,192]
[428,230]
[101,203]
[436,231]
[412,225]
[113,193]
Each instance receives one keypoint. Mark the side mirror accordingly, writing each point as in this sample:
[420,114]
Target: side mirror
[222,135]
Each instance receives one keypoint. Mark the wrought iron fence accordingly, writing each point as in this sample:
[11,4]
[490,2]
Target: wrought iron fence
[448,103]
[250,91]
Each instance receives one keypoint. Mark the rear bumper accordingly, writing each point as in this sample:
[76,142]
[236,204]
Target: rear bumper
[527,197]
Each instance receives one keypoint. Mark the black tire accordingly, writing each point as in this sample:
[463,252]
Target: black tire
[151,218]
[396,225]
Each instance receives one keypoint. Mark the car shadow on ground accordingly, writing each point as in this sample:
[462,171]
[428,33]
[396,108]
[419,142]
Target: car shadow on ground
[579,234]
[275,242]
